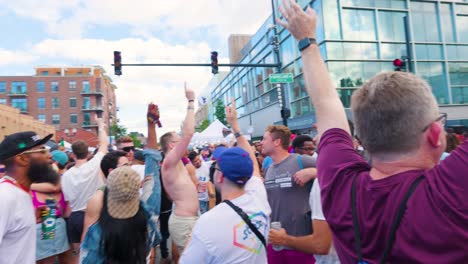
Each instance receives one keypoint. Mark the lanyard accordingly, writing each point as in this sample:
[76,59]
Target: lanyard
[12,181]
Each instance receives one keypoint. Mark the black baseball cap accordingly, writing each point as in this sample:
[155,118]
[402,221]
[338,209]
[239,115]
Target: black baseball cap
[17,143]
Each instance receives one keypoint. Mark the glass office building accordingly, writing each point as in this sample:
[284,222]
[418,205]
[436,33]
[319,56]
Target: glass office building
[358,39]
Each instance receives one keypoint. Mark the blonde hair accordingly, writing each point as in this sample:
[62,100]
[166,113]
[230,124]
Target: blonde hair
[280,132]
[391,110]
[165,140]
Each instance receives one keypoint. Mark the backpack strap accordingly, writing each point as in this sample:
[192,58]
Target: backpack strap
[299,161]
[246,219]
[393,228]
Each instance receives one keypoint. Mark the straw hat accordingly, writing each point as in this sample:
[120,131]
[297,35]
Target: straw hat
[123,199]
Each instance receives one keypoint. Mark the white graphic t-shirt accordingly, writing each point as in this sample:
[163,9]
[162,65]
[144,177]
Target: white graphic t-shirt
[221,236]
[203,177]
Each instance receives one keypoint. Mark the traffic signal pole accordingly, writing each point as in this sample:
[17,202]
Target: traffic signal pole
[201,64]
[285,112]
[409,51]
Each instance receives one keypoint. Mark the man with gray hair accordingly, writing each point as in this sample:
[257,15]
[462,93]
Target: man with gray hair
[405,206]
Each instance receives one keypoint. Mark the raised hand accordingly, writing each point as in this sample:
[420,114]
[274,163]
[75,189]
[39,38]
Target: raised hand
[231,113]
[299,23]
[189,93]
[99,121]
[153,114]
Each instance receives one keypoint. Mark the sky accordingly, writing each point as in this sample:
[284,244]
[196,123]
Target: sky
[77,32]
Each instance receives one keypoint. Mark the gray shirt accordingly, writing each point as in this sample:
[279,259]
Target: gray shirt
[289,202]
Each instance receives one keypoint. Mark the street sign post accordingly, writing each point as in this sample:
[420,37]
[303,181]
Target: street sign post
[281,78]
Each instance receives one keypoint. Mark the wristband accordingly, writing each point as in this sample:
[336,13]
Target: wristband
[237,134]
[191,101]
[190,108]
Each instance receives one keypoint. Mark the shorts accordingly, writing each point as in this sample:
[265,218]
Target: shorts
[51,247]
[180,228]
[75,226]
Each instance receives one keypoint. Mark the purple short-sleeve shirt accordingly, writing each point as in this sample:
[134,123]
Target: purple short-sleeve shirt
[434,228]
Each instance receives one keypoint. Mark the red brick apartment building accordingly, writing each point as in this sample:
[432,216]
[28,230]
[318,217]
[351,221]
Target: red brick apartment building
[65,97]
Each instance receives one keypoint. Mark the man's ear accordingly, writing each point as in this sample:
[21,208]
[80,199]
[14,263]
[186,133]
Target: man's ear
[434,135]
[220,177]
[22,160]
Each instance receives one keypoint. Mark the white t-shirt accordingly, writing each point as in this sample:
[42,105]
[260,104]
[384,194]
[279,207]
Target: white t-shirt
[203,177]
[79,184]
[221,236]
[17,225]
[317,214]
[140,169]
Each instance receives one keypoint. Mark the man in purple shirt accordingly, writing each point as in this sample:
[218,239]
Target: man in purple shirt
[397,120]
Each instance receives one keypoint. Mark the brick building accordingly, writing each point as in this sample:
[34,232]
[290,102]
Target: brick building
[65,97]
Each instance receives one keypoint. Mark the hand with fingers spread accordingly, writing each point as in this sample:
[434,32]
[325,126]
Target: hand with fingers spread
[299,23]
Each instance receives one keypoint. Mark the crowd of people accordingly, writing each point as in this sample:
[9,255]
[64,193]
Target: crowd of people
[391,187]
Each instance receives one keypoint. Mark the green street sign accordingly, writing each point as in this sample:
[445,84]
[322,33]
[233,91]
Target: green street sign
[281,78]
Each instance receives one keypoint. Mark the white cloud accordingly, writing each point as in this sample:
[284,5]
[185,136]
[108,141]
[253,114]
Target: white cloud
[14,57]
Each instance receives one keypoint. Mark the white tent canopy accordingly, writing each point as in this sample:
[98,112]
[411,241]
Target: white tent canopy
[212,134]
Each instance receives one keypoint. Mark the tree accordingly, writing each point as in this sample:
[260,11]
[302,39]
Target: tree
[204,125]
[118,131]
[219,112]
[136,141]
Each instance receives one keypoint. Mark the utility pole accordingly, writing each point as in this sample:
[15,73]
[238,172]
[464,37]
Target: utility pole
[409,53]
[285,112]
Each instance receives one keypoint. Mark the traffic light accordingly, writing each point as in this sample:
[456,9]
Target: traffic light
[285,113]
[117,63]
[214,62]
[400,64]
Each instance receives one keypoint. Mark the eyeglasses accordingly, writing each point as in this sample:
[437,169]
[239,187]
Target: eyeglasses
[128,149]
[42,150]
[442,118]
[306,149]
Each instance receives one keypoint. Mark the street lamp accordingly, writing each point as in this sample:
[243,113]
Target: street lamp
[70,133]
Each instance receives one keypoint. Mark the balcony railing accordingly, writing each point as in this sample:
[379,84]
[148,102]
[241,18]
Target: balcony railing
[18,93]
[88,124]
[88,108]
[97,92]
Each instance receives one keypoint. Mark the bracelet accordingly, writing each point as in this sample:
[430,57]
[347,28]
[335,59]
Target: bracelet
[191,101]
[237,134]
[190,108]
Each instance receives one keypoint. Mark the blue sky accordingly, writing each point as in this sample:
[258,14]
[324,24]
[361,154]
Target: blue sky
[76,32]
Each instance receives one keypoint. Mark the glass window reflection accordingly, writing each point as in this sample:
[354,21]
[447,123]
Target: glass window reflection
[358,24]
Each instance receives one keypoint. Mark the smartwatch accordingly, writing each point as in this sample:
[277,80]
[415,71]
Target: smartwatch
[306,42]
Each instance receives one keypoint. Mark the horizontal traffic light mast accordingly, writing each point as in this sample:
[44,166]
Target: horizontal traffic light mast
[214,64]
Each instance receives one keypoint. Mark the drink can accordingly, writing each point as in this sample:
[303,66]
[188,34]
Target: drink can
[48,220]
[276,226]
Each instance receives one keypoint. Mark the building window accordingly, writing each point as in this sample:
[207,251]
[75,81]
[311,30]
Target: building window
[457,52]
[429,52]
[433,73]
[41,118]
[55,103]
[45,73]
[20,103]
[462,22]
[3,101]
[425,22]
[72,102]
[41,103]
[460,95]
[446,22]
[358,24]
[458,73]
[87,119]
[391,26]
[40,87]
[2,87]
[86,103]
[54,87]
[86,86]
[56,119]
[72,85]
[74,119]
[19,88]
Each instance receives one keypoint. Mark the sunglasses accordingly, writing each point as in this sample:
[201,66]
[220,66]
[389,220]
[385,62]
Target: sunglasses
[42,150]
[307,149]
[2,170]
[128,149]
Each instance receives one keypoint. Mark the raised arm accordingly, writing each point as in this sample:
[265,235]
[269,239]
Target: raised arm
[102,134]
[188,129]
[152,116]
[242,142]
[327,104]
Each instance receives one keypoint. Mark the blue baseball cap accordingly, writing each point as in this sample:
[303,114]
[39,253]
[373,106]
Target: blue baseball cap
[235,164]
[60,157]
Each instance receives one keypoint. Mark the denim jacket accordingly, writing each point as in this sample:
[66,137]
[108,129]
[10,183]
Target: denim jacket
[91,250]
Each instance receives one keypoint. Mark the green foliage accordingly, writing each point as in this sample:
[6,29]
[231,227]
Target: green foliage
[220,113]
[204,125]
[118,131]
[136,142]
